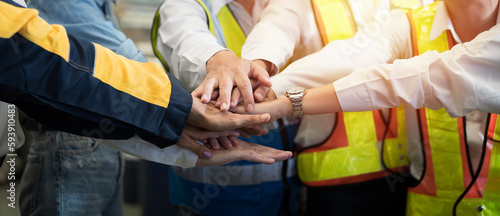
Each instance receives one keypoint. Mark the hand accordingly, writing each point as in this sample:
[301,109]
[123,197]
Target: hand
[245,151]
[258,94]
[193,138]
[208,117]
[279,108]
[224,71]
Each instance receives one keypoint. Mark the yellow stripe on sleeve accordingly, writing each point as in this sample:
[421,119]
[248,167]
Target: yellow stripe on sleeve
[26,22]
[146,81]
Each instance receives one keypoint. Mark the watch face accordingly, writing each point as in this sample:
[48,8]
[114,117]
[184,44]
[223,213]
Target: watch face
[295,90]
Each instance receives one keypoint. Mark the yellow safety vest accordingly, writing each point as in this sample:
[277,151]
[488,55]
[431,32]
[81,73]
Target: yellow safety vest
[447,172]
[234,37]
[350,154]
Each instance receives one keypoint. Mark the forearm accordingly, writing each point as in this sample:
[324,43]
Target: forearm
[277,33]
[186,42]
[340,58]
[76,86]
[460,80]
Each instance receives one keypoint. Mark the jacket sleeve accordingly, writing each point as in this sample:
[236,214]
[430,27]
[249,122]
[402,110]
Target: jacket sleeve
[72,85]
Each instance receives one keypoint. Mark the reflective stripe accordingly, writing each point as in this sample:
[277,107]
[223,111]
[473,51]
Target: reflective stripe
[350,154]
[234,36]
[492,188]
[406,4]
[154,39]
[447,172]
[236,175]
[335,13]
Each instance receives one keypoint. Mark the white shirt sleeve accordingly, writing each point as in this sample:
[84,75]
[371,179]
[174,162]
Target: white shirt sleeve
[382,41]
[185,41]
[172,155]
[277,32]
[463,79]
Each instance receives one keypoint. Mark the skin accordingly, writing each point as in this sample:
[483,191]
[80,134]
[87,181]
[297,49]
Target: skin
[245,151]
[227,74]
[483,13]
[225,71]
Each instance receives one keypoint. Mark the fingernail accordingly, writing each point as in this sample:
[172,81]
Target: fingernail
[204,98]
[223,106]
[258,95]
[207,154]
[249,108]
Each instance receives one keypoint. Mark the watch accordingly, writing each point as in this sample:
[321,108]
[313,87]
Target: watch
[295,94]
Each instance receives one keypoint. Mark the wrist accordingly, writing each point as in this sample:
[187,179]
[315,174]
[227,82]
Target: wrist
[285,106]
[267,65]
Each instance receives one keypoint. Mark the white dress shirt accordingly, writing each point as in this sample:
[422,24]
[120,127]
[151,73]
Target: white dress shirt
[315,70]
[461,80]
[185,41]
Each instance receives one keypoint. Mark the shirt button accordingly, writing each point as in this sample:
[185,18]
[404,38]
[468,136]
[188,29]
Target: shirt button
[400,146]
[401,157]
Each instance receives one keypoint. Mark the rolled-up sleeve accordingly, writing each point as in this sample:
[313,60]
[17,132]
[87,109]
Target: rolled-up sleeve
[461,80]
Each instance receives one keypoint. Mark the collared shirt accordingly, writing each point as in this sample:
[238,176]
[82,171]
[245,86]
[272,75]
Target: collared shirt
[314,70]
[188,48]
[463,79]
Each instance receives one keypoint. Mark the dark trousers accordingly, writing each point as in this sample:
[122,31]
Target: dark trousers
[375,197]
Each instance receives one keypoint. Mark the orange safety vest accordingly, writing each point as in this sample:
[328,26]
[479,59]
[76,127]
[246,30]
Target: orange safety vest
[350,154]
[447,171]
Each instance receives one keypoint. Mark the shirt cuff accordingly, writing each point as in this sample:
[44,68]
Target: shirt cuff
[172,155]
[281,84]
[353,94]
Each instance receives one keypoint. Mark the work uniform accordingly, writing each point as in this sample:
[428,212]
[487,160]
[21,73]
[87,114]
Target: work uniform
[243,188]
[74,90]
[423,80]
[343,149]
[447,171]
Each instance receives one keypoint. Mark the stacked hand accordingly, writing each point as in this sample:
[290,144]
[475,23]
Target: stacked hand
[212,130]
[226,71]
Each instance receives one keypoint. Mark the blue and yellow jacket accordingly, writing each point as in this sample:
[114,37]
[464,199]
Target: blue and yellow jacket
[76,86]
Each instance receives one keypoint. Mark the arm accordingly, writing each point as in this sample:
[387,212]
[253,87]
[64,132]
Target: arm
[277,33]
[185,41]
[75,86]
[381,42]
[198,59]
[461,80]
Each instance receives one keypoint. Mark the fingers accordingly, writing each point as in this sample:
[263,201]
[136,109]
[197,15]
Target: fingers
[246,92]
[233,140]
[240,121]
[202,134]
[208,86]
[243,133]
[225,88]
[235,97]
[258,73]
[267,152]
[197,147]
[255,157]
[224,141]
[258,130]
[260,93]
